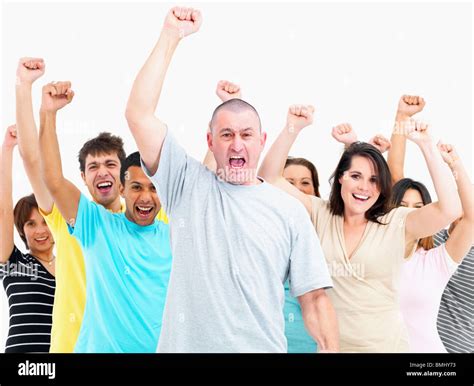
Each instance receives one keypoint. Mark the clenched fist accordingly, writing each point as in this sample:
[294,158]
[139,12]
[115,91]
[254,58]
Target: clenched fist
[56,95]
[380,142]
[10,140]
[29,69]
[227,90]
[417,131]
[183,21]
[344,133]
[408,106]
[449,154]
[299,116]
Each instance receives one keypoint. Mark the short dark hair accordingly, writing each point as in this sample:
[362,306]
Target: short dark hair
[384,184]
[22,213]
[235,105]
[309,165]
[133,159]
[104,143]
[398,192]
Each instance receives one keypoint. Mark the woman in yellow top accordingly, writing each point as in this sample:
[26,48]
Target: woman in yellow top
[363,241]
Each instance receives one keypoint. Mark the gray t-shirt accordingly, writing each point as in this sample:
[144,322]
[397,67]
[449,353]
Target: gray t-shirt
[233,247]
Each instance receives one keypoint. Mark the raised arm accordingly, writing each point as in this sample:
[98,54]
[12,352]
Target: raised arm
[30,69]
[320,320]
[6,200]
[408,106]
[345,134]
[225,90]
[298,117]
[64,193]
[149,132]
[433,217]
[461,237]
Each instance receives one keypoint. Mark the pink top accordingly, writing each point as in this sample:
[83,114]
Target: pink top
[423,278]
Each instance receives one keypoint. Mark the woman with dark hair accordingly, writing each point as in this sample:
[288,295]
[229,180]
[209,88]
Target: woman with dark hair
[365,241]
[425,274]
[28,278]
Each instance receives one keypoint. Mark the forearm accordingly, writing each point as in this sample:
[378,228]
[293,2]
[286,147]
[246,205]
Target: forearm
[26,127]
[448,199]
[6,204]
[148,84]
[28,144]
[274,163]
[396,154]
[465,190]
[50,155]
[321,323]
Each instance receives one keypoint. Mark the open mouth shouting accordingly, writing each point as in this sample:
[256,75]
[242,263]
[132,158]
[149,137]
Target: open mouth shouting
[104,187]
[237,162]
[360,197]
[144,211]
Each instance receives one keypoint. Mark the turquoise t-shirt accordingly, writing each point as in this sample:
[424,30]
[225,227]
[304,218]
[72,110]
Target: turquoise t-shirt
[299,341]
[127,272]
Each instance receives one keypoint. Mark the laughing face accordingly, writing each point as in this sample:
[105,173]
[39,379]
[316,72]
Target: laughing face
[102,177]
[236,142]
[37,234]
[359,189]
[140,197]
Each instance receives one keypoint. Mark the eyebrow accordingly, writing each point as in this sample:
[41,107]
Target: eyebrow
[106,161]
[233,130]
[360,174]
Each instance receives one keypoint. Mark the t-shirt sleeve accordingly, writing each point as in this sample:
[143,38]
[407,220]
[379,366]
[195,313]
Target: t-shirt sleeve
[319,212]
[397,219]
[308,268]
[88,221]
[175,170]
[54,219]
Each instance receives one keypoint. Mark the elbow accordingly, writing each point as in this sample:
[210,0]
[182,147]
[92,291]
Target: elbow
[452,212]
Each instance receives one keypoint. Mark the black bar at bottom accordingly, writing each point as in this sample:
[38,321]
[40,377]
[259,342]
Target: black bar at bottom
[430,369]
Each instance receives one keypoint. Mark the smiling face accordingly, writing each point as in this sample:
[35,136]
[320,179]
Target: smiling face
[359,189]
[102,177]
[300,176]
[140,197]
[236,142]
[37,234]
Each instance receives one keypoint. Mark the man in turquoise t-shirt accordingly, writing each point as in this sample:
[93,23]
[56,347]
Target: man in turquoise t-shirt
[127,255]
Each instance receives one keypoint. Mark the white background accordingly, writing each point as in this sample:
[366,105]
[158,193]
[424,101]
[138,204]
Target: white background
[351,60]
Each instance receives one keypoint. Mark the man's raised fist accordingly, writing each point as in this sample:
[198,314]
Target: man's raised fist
[56,95]
[227,90]
[183,21]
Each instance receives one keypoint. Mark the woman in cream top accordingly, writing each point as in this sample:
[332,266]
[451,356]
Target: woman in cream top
[363,241]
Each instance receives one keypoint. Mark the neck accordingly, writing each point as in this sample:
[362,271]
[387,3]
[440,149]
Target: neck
[44,256]
[115,206]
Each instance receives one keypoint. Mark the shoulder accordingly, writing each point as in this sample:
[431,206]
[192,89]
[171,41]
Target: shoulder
[396,216]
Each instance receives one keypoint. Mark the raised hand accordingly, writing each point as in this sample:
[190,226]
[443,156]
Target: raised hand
[183,21]
[299,116]
[227,90]
[10,140]
[56,95]
[344,133]
[417,132]
[29,69]
[448,153]
[409,105]
[380,142]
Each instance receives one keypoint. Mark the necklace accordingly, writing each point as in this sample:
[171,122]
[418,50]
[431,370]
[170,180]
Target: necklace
[50,262]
